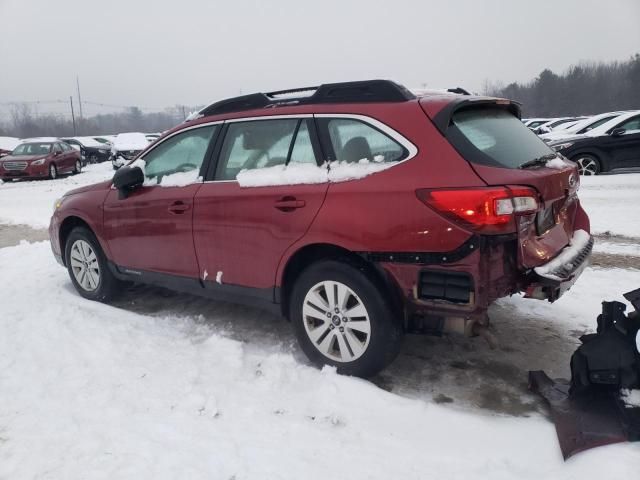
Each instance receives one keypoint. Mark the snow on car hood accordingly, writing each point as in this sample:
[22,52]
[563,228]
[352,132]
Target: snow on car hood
[130,141]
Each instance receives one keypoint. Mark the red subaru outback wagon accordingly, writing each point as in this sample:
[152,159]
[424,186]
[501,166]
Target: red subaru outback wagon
[358,211]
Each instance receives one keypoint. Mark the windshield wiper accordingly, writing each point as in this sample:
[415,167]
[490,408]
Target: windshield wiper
[539,161]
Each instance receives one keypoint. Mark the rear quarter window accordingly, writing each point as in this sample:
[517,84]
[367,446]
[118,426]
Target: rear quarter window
[494,137]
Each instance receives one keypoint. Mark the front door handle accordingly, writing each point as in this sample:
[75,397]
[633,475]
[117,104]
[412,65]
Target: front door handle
[289,204]
[178,208]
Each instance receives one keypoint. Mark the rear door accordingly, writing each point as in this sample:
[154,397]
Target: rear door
[265,191]
[497,145]
[151,229]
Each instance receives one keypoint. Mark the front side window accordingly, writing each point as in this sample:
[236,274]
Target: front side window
[57,148]
[595,124]
[65,147]
[178,159]
[264,143]
[494,137]
[353,141]
[631,125]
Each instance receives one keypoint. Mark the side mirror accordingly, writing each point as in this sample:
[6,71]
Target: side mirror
[617,132]
[127,179]
[56,153]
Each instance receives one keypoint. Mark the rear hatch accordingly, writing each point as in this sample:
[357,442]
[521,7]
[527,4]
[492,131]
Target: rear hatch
[503,152]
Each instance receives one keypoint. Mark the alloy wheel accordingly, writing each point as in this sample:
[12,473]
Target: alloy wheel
[84,264]
[336,321]
[587,166]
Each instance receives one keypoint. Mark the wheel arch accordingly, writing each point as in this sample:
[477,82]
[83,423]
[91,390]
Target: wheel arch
[67,225]
[598,154]
[316,252]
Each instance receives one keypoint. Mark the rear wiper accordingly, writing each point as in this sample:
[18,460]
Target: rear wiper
[539,161]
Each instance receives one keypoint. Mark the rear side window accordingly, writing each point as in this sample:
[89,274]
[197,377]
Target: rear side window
[353,140]
[494,137]
[264,143]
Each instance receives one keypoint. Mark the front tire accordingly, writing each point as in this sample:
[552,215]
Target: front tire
[88,268]
[587,164]
[53,172]
[342,318]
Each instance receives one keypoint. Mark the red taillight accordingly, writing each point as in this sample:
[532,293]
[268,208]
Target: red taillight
[488,210]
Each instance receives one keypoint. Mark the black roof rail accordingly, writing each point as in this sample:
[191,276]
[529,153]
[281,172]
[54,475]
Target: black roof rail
[458,90]
[367,91]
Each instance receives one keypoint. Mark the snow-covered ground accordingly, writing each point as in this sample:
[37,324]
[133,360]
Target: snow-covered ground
[31,202]
[95,391]
[163,385]
[612,203]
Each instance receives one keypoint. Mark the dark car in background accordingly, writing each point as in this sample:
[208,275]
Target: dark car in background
[40,159]
[614,145]
[91,149]
[126,146]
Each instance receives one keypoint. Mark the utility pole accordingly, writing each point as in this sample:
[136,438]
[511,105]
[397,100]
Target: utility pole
[79,97]
[184,113]
[73,116]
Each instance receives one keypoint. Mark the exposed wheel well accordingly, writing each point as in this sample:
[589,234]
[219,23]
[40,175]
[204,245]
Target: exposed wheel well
[318,252]
[69,224]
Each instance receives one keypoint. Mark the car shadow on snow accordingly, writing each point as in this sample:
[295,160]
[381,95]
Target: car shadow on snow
[452,369]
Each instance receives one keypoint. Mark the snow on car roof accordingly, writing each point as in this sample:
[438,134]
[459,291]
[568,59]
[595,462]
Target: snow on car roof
[40,140]
[130,141]
[88,141]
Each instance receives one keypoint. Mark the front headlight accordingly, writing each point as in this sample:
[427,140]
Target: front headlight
[38,162]
[561,146]
[58,203]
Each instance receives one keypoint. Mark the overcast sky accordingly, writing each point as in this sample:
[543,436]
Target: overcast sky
[160,53]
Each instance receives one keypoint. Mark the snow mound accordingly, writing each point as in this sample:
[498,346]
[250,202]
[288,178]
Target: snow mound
[556,163]
[577,243]
[292,174]
[129,141]
[631,398]
[305,173]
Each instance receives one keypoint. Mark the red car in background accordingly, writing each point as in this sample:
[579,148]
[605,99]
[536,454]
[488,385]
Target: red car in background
[40,159]
[360,212]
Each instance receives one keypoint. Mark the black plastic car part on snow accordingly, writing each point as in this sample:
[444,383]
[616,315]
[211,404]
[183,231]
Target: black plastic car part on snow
[590,411]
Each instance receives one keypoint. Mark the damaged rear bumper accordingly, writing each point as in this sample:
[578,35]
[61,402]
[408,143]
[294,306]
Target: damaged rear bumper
[552,280]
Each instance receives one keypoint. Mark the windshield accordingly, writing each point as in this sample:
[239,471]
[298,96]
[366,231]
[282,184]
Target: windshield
[494,137]
[32,149]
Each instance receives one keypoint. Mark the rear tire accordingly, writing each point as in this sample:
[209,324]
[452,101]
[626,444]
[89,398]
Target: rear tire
[343,319]
[77,167]
[587,164]
[88,268]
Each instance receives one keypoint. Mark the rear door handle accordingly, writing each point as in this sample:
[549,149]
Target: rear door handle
[178,208]
[289,204]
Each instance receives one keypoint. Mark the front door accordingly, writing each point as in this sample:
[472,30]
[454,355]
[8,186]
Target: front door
[266,191]
[151,230]
[625,149]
